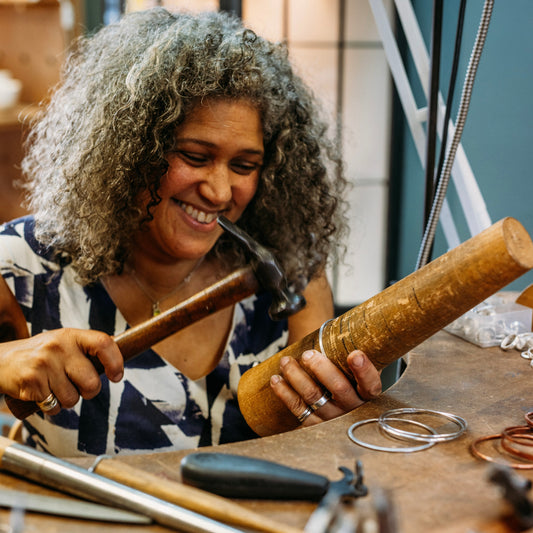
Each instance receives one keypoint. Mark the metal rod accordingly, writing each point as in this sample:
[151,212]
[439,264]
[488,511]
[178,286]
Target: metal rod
[60,474]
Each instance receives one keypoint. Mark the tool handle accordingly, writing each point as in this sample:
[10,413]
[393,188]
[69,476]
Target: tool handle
[402,316]
[236,476]
[231,289]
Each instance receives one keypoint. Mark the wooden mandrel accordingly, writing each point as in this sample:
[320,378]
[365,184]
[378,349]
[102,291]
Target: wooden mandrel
[402,316]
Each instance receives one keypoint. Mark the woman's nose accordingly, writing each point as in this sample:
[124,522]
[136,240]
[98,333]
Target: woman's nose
[217,185]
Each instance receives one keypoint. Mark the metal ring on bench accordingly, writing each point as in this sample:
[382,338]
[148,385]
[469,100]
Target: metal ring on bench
[410,449]
[435,437]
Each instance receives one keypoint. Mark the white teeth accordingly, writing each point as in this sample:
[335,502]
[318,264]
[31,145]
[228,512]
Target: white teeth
[200,216]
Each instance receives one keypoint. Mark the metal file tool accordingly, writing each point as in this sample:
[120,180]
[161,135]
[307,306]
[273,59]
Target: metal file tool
[67,507]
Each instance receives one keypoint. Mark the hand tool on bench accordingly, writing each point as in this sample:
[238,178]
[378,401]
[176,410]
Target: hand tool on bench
[514,489]
[193,498]
[400,317]
[237,476]
[264,273]
[55,505]
[67,477]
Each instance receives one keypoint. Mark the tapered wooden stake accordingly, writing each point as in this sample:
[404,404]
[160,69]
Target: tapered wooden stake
[400,317]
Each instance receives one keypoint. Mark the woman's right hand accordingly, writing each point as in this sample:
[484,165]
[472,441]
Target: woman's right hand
[57,362]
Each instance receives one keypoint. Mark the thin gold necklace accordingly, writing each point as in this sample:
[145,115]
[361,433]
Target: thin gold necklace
[156,308]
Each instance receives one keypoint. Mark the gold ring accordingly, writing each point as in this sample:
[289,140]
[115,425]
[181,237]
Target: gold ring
[49,403]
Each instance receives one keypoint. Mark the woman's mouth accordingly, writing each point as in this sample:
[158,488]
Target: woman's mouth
[200,216]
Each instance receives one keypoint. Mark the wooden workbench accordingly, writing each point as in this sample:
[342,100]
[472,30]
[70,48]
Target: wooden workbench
[442,489]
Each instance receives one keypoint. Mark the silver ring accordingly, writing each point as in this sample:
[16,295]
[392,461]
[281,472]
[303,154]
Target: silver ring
[323,400]
[528,354]
[410,449]
[320,331]
[509,342]
[435,437]
[306,414]
[49,403]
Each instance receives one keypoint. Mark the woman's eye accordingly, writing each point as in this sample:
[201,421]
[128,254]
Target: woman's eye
[195,159]
[244,167]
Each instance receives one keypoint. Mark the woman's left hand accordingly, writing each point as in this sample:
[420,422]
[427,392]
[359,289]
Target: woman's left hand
[301,384]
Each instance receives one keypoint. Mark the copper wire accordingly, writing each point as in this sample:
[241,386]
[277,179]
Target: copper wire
[515,437]
[480,455]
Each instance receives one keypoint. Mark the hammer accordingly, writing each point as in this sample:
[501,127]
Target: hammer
[264,272]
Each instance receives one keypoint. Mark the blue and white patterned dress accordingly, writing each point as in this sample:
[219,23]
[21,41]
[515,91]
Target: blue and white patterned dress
[154,408]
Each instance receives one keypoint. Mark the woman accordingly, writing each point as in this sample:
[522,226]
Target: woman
[162,123]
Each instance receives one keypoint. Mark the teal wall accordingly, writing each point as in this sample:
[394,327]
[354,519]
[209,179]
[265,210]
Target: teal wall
[498,136]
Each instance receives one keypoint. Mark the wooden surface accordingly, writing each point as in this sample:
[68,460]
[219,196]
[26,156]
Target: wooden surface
[442,489]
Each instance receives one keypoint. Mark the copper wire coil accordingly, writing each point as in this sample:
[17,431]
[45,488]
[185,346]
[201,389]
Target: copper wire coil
[515,437]
[480,455]
[529,418]
[519,434]
[513,450]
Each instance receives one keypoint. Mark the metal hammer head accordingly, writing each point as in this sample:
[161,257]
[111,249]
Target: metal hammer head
[268,272]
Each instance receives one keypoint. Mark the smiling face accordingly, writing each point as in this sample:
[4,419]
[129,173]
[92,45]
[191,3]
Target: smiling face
[213,170]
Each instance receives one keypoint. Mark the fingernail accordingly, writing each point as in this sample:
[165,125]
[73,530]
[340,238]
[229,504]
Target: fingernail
[308,355]
[358,360]
[275,379]
[118,376]
[284,360]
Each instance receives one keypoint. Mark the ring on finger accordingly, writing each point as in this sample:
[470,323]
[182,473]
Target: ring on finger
[323,400]
[49,403]
[306,414]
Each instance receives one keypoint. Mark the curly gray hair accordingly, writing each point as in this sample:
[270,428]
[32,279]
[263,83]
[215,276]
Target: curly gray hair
[103,137]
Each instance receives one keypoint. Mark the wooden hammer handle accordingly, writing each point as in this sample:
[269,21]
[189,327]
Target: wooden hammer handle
[192,498]
[231,289]
[400,317]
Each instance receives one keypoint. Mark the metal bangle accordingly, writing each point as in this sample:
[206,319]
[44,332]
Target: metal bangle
[375,447]
[435,437]
[475,451]
[320,332]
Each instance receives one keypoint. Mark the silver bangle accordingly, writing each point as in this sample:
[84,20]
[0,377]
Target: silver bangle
[320,331]
[375,447]
[434,437]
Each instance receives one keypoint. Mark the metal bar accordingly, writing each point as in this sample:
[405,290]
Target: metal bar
[472,202]
[60,474]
